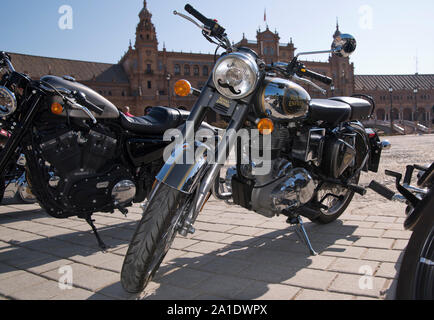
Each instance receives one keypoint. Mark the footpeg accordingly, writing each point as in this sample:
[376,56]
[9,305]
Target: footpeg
[302,234]
[356,188]
[101,243]
[382,190]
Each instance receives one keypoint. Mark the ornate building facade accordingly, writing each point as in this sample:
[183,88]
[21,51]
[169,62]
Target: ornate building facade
[144,77]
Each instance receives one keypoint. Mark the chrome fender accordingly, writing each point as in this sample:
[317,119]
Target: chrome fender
[187,163]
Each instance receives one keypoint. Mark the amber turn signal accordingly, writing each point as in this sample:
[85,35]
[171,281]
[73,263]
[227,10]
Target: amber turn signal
[265,126]
[182,88]
[56,108]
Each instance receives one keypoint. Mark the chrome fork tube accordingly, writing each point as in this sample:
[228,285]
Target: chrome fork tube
[225,147]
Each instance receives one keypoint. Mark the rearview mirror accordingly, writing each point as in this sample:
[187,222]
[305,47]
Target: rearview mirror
[344,45]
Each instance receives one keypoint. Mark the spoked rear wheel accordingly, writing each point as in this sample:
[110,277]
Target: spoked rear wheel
[336,198]
[152,238]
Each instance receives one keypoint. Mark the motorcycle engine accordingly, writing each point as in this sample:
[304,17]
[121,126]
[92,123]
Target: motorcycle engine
[85,175]
[284,188]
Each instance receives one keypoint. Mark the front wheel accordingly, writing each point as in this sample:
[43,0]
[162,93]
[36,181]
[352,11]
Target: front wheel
[152,238]
[416,276]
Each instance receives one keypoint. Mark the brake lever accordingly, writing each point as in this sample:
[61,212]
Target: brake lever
[85,110]
[323,91]
[207,31]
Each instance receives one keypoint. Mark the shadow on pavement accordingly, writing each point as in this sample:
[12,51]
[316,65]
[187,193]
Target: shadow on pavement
[26,254]
[230,272]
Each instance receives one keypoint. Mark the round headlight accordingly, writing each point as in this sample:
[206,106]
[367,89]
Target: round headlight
[236,75]
[8,102]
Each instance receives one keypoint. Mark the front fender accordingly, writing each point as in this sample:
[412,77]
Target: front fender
[186,164]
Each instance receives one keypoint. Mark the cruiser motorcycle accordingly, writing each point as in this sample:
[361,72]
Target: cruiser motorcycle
[416,276]
[317,147]
[82,154]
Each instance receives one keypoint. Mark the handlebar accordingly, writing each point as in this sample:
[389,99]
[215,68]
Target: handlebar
[81,99]
[5,60]
[199,16]
[315,76]
[214,28]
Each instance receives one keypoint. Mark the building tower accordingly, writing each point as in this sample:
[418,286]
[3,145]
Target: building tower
[342,71]
[140,61]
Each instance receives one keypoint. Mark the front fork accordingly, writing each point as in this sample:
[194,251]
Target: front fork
[17,136]
[227,144]
[199,177]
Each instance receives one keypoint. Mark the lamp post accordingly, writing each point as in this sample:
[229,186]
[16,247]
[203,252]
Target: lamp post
[391,107]
[415,91]
[332,88]
[168,77]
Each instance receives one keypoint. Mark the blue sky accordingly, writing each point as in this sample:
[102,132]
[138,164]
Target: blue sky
[389,33]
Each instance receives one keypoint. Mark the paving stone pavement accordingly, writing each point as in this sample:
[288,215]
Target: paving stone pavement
[234,254]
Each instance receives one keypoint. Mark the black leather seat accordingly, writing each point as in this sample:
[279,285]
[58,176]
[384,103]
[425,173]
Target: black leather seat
[361,109]
[339,109]
[156,122]
[329,111]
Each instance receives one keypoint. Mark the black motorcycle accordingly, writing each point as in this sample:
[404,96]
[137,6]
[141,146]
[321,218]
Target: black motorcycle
[82,154]
[416,276]
[317,150]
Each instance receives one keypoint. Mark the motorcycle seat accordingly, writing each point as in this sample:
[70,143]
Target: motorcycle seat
[360,108]
[156,122]
[330,111]
[339,109]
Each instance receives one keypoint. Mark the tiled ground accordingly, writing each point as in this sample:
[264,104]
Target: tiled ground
[235,254]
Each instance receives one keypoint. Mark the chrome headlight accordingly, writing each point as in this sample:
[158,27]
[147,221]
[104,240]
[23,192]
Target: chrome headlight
[8,102]
[236,75]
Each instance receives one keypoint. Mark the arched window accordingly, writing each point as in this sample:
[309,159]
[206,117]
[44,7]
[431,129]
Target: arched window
[196,70]
[177,69]
[187,70]
[205,70]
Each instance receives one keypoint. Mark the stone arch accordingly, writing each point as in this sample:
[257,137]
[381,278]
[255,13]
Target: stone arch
[421,114]
[381,114]
[408,114]
[395,114]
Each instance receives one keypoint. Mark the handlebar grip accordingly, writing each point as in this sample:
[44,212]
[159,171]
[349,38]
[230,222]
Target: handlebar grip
[316,76]
[199,16]
[408,174]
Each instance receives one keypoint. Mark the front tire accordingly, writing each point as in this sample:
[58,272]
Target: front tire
[152,239]
[416,276]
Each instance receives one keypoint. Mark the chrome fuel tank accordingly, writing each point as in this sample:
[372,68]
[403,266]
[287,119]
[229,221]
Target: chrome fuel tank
[281,100]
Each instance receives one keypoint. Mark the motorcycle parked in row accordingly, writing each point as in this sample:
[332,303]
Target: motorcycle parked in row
[318,149]
[82,154]
[416,275]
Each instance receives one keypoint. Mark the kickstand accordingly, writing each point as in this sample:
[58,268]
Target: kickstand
[301,233]
[101,243]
